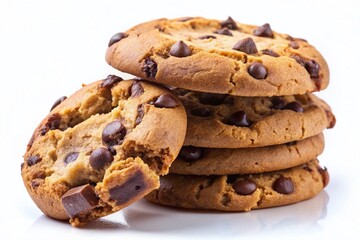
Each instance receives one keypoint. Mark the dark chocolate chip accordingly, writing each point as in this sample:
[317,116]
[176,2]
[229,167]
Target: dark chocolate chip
[263,31]
[32,160]
[239,119]
[294,45]
[117,37]
[244,187]
[71,157]
[190,153]
[166,101]
[136,89]
[53,122]
[180,49]
[313,68]
[246,45]
[140,114]
[100,157]
[278,103]
[207,37]
[229,23]
[324,175]
[201,112]
[283,185]
[114,133]
[110,81]
[299,60]
[79,200]
[257,70]
[224,31]
[133,187]
[294,106]
[112,150]
[212,98]
[57,102]
[270,53]
[232,178]
[149,68]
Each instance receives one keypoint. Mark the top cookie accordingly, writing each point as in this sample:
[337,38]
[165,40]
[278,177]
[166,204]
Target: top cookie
[219,57]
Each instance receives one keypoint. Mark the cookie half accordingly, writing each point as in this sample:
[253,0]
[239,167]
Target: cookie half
[219,57]
[225,161]
[103,148]
[241,192]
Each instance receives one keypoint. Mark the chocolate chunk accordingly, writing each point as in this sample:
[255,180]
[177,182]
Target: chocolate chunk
[246,45]
[57,102]
[278,103]
[283,185]
[136,89]
[294,106]
[263,31]
[166,100]
[207,37]
[201,112]
[224,31]
[53,122]
[229,23]
[313,68]
[212,98]
[244,187]
[110,81]
[294,45]
[149,68]
[79,200]
[239,119]
[32,160]
[180,49]
[324,175]
[100,157]
[71,157]
[117,37]
[270,53]
[257,70]
[190,153]
[140,114]
[133,187]
[114,133]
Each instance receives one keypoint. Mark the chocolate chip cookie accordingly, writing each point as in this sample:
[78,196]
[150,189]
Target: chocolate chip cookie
[224,161]
[225,121]
[219,57]
[103,148]
[241,192]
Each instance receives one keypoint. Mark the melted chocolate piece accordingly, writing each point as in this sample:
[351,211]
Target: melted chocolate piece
[32,160]
[239,119]
[166,101]
[110,81]
[136,89]
[117,37]
[149,68]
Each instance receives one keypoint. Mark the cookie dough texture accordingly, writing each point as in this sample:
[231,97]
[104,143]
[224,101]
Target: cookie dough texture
[218,193]
[203,55]
[112,139]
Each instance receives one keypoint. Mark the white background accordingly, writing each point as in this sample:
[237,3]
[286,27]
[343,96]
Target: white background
[49,48]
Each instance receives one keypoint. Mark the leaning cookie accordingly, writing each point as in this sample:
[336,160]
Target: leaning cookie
[241,192]
[219,57]
[224,121]
[103,148]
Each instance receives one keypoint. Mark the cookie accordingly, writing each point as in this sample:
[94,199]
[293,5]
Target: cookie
[225,161]
[241,192]
[103,148]
[219,57]
[224,121]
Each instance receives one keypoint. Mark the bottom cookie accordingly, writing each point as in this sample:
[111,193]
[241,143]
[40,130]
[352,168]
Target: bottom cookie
[241,192]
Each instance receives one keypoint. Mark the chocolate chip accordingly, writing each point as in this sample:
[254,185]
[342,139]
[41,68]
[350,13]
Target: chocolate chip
[112,150]
[71,157]
[207,37]
[246,45]
[283,185]
[79,200]
[324,175]
[294,106]
[278,103]
[140,114]
[201,112]
[149,68]
[35,183]
[263,31]
[180,49]
[166,101]
[57,102]
[313,68]
[212,98]
[114,133]
[32,160]
[257,70]
[231,178]
[190,153]
[299,60]
[294,45]
[270,53]
[100,157]
[244,187]
[53,122]
[239,119]
[136,89]
[229,23]
[293,143]
[117,37]
[110,81]
[224,31]
[134,186]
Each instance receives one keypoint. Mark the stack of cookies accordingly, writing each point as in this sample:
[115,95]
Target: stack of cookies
[254,128]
